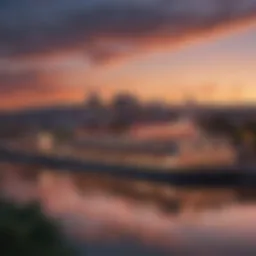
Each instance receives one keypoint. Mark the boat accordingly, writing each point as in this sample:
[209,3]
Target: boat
[167,145]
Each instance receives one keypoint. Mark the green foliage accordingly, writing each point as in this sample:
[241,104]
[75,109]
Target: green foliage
[26,231]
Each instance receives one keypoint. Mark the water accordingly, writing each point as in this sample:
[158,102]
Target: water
[121,248]
[102,223]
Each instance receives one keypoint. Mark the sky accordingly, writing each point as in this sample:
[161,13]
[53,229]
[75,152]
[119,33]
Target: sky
[61,50]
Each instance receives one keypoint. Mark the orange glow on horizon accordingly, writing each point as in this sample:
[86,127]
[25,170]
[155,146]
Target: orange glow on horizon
[171,96]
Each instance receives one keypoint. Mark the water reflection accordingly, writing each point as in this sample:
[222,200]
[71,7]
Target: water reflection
[91,211]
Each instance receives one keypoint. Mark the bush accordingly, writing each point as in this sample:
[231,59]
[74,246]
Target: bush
[25,230]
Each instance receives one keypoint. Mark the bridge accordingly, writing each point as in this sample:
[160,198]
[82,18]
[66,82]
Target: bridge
[221,177]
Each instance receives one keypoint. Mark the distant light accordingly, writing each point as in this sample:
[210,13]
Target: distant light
[45,141]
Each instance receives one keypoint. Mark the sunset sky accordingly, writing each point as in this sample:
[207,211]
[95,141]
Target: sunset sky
[56,51]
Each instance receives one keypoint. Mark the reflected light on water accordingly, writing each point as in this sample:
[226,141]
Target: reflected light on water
[98,215]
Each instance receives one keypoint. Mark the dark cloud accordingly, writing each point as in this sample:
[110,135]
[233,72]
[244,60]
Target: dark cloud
[9,81]
[99,27]
[101,30]
[18,82]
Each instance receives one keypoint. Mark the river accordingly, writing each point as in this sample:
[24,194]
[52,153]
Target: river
[101,223]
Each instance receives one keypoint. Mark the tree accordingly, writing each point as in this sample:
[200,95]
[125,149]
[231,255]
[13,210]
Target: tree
[218,124]
[249,133]
[25,230]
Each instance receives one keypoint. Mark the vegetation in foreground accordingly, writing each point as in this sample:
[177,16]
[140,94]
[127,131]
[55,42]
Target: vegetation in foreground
[25,230]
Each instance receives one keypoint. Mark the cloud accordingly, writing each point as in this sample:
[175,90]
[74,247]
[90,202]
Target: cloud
[41,41]
[31,82]
[10,82]
[106,29]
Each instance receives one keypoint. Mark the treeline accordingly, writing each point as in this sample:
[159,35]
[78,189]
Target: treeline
[239,133]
